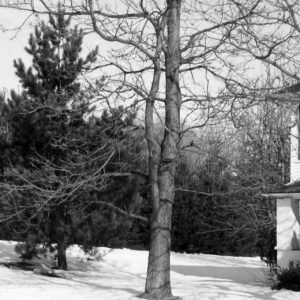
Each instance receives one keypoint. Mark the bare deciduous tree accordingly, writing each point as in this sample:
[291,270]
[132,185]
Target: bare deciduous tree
[172,55]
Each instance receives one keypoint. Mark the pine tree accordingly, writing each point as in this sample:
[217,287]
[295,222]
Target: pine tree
[59,159]
[56,64]
[45,115]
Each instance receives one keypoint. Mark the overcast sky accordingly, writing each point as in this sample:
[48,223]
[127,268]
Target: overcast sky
[11,45]
[13,42]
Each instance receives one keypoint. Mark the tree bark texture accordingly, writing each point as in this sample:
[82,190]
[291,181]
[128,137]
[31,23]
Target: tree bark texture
[162,164]
[61,257]
[61,236]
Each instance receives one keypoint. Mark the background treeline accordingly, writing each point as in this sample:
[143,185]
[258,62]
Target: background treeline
[222,174]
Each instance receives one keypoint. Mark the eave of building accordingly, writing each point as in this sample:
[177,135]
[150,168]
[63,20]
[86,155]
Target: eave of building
[284,195]
[290,190]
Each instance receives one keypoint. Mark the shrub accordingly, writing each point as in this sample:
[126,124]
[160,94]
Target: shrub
[96,253]
[26,250]
[266,243]
[30,249]
[288,278]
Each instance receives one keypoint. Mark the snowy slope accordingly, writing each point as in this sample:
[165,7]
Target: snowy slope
[121,276]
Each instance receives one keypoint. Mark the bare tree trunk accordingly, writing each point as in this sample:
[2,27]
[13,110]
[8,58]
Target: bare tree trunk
[158,284]
[61,237]
[61,257]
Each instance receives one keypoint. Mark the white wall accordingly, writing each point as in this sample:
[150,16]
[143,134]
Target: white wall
[288,231]
[284,257]
[295,162]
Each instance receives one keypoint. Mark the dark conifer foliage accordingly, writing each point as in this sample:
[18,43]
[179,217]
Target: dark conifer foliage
[219,206]
[58,157]
[55,48]
[51,90]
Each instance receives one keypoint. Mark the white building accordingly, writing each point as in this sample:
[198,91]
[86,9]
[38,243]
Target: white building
[287,204]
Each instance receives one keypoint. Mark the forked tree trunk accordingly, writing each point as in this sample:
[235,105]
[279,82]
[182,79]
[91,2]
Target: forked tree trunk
[162,164]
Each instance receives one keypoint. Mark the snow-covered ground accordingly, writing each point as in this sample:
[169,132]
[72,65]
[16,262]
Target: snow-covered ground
[121,276]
